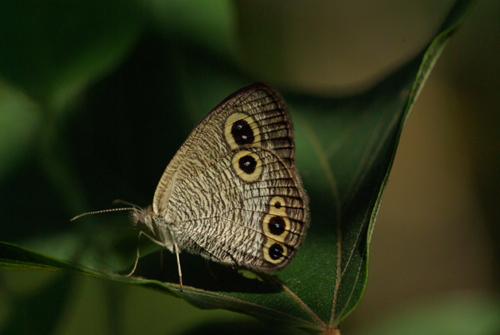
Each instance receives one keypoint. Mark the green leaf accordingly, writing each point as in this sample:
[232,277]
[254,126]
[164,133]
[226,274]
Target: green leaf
[120,137]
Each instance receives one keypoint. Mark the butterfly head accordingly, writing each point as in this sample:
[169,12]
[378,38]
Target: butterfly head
[153,226]
[143,216]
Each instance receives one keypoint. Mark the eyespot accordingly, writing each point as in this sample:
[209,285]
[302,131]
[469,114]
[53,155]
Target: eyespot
[276,225]
[247,165]
[241,129]
[277,206]
[242,133]
[274,252]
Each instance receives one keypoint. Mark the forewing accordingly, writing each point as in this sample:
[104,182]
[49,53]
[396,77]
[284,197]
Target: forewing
[254,116]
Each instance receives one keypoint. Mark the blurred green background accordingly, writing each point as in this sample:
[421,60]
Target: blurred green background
[434,244]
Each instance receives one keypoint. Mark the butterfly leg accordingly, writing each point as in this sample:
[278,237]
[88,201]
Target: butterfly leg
[178,264]
[137,258]
[138,253]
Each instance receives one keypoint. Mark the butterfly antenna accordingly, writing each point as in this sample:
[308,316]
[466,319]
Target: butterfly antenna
[105,211]
[119,201]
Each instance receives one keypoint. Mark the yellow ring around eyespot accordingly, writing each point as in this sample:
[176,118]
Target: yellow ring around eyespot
[267,232]
[269,244]
[229,124]
[242,174]
[281,211]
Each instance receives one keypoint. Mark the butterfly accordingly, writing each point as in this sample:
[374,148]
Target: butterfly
[232,193]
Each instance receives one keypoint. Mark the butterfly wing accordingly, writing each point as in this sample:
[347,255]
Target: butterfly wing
[241,214]
[232,192]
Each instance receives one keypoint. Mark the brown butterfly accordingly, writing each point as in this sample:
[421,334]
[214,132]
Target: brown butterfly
[232,193]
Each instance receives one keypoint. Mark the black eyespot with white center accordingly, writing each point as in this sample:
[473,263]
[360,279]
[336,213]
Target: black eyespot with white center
[247,164]
[275,251]
[241,129]
[277,225]
[242,132]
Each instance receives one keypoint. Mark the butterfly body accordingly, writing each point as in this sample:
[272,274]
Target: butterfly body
[232,193]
